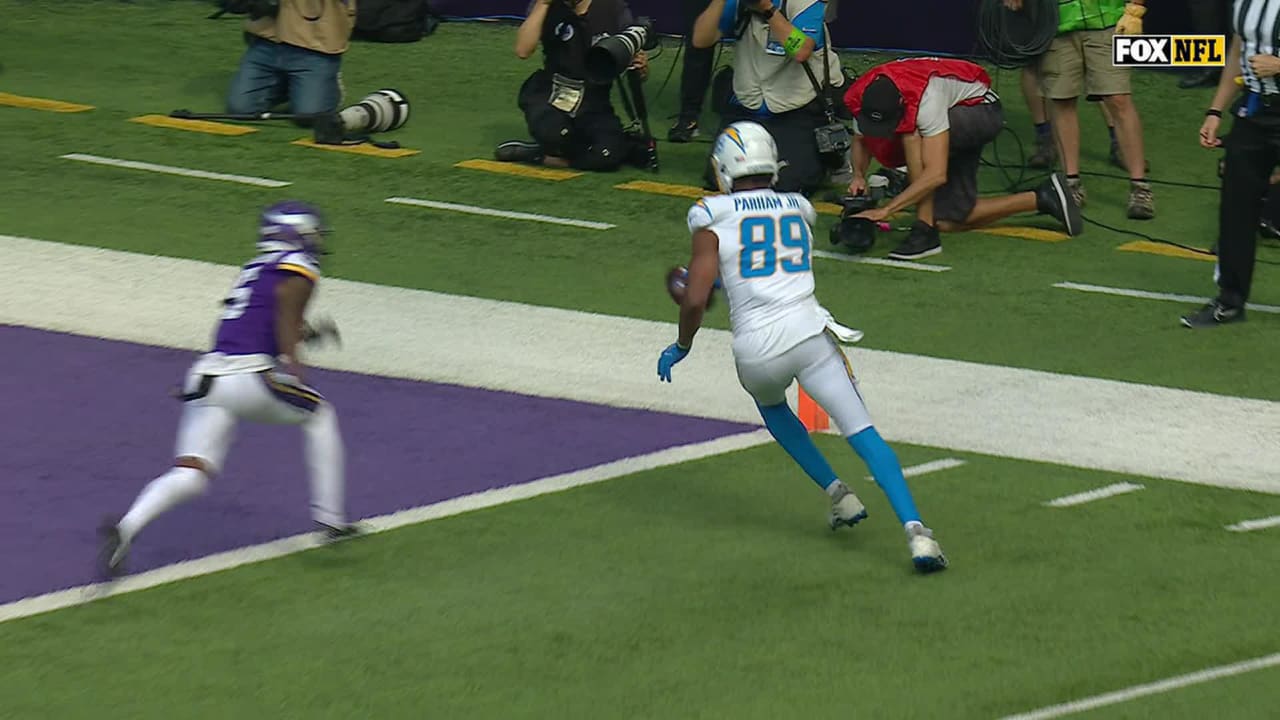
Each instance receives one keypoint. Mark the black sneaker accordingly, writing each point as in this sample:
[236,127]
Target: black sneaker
[1054,198]
[685,130]
[524,151]
[922,241]
[1214,314]
[1266,229]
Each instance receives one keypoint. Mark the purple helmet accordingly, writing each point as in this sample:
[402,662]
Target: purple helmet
[291,225]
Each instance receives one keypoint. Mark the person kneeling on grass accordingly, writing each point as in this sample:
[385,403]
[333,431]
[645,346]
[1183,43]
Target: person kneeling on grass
[935,116]
[571,119]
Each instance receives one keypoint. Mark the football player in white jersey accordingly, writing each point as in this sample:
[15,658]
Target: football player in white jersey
[758,242]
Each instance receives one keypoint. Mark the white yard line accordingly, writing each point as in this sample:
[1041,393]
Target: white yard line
[171,170]
[1147,295]
[447,508]
[1251,525]
[884,262]
[1155,688]
[506,214]
[932,466]
[1089,496]
[1127,428]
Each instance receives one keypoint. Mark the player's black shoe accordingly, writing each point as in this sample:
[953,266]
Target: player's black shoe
[113,550]
[684,130]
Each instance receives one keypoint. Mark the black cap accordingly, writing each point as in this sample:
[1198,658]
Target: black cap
[881,109]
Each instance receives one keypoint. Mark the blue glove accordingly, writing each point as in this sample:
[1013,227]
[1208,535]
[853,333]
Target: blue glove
[669,357]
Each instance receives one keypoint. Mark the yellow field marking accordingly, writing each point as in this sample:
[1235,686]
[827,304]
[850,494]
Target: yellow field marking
[1026,233]
[361,149]
[540,173]
[1153,248]
[200,126]
[34,103]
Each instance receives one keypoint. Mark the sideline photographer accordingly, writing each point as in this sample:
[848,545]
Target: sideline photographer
[777,63]
[294,54]
[567,108]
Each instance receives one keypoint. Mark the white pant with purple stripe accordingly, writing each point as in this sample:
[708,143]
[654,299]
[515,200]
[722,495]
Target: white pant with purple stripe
[215,403]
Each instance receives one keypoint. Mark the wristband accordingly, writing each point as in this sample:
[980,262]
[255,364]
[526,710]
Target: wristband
[1214,112]
[794,42]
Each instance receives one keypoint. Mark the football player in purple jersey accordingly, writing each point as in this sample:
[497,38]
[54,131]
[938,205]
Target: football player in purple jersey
[253,373]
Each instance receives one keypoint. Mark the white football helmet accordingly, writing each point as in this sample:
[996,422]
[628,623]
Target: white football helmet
[744,148]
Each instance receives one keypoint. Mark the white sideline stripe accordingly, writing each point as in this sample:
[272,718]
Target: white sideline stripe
[1100,494]
[1147,295]
[170,170]
[1134,430]
[903,264]
[455,506]
[932,466]
[1251,525]
[508,214]
[1154,688]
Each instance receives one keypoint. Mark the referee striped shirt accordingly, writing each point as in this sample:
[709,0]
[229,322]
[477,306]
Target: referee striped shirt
[1257,22]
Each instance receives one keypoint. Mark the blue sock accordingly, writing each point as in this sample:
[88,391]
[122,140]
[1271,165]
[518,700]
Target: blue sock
[1043,129]
[884,466]
[787,429]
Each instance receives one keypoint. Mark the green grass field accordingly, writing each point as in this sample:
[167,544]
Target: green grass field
[706,590]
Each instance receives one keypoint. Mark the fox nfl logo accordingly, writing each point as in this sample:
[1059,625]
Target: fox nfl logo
[1168,50]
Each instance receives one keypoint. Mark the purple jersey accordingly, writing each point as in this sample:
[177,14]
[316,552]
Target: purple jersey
[248,325]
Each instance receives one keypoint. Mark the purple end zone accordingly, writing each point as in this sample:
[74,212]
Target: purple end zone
[85,423]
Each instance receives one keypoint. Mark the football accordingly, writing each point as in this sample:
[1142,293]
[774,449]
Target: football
[677,278]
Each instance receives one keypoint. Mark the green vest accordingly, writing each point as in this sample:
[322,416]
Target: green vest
[1089,15]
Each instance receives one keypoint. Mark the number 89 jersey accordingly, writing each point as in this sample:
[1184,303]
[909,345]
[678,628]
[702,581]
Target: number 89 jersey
[766,245]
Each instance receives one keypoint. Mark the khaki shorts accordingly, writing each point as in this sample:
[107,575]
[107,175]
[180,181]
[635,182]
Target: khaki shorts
[1079,63]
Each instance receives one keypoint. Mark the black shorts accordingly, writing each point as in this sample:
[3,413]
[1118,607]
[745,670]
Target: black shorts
[973,127]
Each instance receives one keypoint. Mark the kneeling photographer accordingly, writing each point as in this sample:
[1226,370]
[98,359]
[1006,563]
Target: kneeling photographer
[779,57]
[294,55]
[586,45]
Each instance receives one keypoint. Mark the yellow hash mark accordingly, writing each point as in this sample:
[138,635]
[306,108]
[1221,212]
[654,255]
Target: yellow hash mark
[1025,233]
[540,173]
[34,103]
[1153,248]
[200,126]
[361,149]
[657,188]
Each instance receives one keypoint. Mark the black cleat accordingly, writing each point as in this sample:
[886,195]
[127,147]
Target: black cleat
[922,241]
[1054,198]
[685,130]
[521,151]
[114,551]
[1214,314]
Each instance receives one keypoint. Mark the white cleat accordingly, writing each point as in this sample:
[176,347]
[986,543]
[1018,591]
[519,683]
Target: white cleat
[846,509]
[926,553]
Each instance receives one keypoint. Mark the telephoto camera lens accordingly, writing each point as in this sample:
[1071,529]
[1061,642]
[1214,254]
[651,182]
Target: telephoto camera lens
[612,54]
[379,111]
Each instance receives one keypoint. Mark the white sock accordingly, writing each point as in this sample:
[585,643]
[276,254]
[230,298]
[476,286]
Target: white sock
[835,488]
[326,466]
[177,486]
[913,528]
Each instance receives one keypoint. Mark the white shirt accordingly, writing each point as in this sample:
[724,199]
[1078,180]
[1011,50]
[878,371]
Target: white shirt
[765,243]
[764,77]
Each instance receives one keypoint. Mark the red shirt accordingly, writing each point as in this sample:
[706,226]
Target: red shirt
[911,76]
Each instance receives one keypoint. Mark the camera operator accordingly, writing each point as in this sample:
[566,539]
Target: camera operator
[935,116]
[770,83]
[571,119]
[294,54]
[1252,151]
